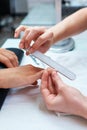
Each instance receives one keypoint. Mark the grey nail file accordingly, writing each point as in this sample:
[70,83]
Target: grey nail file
[53,64]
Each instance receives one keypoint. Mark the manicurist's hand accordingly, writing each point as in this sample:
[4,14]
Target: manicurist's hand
[60,97]
[8,58]
[41,37]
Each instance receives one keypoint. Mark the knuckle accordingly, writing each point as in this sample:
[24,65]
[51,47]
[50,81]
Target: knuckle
[12,53]
[40,39]
[6,60]
[22,26]
[39,30]
[27,30]
[34,29]
[26,41]
[44,29]
[12,58]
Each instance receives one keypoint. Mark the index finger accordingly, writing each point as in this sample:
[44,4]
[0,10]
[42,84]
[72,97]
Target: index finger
[18,30]
[47,94]
[41,41]
[44,84]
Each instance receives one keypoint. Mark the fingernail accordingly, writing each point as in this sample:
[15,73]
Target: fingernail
[28,52]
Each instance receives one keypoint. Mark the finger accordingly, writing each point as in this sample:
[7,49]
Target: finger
[32,33]
[40,41]
[44,84]
[23,43]
[32,36]
[50,70]
[44,47]
[47,95]
[9,58]
[44,87]
[19,29]
[5,61]
[51,82]
[12,57]
[57,81]
[29,35]
[34,77]
[34,70]
[51,85]
[14,60]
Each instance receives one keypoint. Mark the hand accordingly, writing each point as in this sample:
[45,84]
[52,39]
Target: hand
[42,38]
[21,76]
[8,58]
[60,97]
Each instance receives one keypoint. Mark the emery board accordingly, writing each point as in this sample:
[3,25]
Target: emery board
[53,64]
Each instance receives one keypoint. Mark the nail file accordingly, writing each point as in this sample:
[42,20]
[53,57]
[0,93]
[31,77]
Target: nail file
[53,64]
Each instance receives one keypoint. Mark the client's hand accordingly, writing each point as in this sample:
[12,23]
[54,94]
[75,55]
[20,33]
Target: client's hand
[60,97]
[21,76]
[8,58]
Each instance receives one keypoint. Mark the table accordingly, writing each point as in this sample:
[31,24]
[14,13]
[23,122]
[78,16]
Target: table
[24,108]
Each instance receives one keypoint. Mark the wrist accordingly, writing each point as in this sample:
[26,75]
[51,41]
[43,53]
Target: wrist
[59,32]
[84,105]
[54,32]
[81,108]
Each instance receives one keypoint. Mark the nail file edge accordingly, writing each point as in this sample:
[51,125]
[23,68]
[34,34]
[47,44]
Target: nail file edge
[53,64]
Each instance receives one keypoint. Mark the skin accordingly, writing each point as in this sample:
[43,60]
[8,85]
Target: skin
[43,38]
[14,75]
[21,76]
[8,58]
[57,95]
[60,97]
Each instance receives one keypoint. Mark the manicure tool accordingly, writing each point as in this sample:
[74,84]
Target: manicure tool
[53,64]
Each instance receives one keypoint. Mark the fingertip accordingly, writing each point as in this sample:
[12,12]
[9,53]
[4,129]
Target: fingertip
[44,78]
[21,46]
[54,73]
[57,79]
[28,52]
[15,35]
[45,74]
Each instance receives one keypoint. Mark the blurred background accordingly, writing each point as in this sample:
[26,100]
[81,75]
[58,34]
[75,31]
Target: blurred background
[34,13]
